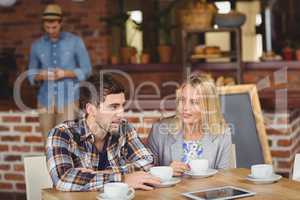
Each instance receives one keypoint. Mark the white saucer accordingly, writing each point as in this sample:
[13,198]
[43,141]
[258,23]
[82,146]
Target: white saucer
[130,196]
[272,179]
[169,183]
[207,173]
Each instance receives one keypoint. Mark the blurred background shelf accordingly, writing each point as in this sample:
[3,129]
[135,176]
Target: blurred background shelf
[234,56]
[222,54]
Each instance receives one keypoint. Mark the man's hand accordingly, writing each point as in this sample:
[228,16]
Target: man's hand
[138,180]
[54,74]
[86,170]
[59,73]
[45,75]
[179,168]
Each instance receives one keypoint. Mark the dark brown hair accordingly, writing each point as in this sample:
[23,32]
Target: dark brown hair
[96,88]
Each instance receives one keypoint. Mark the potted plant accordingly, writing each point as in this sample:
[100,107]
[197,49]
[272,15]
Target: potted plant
[114,59]
[145,57]
[163,22]
[126,52]
[119,20]
[165,47]
[133,56]
[287,51]
[298,53]
[297,49]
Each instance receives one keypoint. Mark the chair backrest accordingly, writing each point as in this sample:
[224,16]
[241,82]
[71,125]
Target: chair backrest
[296,170]
[36,177]
[233,156]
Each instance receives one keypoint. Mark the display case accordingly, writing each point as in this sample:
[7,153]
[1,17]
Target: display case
[190,59]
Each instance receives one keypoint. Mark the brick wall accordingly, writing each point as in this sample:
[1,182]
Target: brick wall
[283,131]
[20,136]
[21,24]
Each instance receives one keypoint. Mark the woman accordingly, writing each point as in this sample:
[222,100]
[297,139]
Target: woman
[197,131]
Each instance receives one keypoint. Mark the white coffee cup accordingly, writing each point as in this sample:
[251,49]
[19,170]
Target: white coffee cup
[116,190]
[261,171]
[198,166]
[165,173]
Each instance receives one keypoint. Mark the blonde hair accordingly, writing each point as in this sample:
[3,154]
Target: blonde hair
[212,119]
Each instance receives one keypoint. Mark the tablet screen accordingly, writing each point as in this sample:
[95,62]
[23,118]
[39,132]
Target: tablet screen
[217,193]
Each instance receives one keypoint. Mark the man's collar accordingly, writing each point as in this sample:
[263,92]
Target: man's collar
[86,133]
[61,36]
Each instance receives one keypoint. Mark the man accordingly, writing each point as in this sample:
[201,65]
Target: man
[58,61]
[101,146]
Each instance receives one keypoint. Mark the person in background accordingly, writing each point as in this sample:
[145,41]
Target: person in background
[99,147]
[58,62]
[197,131]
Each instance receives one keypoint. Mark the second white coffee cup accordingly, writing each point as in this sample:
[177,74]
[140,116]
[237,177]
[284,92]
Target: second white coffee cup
[165,173]
[261,171]
[116,190]
[198,166]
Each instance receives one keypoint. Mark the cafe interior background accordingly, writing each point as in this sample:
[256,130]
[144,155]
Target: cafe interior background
[144,39]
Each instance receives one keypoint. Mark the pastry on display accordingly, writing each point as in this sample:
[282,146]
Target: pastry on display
[202,52]
[199,49]
[270,56]
[225,81]
[212,50]
[220,80]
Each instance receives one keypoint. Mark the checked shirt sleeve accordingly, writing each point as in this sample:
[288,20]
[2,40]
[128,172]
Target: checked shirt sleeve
[138,156]
[61,168]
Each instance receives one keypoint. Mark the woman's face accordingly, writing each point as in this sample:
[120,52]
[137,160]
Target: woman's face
[189,105]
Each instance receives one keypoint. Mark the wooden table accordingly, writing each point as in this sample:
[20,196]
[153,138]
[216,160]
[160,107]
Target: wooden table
[285,189]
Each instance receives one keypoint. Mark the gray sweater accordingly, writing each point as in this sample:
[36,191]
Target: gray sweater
[166,146]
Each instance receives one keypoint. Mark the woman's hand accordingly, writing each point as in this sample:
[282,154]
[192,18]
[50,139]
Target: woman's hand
[179,168]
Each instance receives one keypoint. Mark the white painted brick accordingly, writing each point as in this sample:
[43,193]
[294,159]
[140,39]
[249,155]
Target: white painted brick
[296,121]
[281,148]
[268,114]
[278,126]
[283,159]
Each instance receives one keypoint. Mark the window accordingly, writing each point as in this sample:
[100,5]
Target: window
[134,36]
[223,7]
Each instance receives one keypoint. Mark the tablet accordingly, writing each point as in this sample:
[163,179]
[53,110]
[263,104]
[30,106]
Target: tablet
[219,193]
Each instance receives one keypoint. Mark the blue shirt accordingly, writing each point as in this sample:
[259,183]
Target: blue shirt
[68,53]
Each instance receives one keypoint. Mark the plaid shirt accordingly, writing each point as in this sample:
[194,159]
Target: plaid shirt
[70,147]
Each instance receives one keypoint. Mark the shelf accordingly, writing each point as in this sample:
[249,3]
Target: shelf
[224,66]
[224,54]
[265,65]
[217,66]
[235,56]
[151,67]
[210,30]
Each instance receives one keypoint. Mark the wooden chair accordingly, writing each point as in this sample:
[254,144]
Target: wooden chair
[233,157]
[296,168]
[36,177]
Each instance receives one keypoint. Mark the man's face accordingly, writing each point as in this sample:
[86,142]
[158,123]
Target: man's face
[110,112]
[52,28]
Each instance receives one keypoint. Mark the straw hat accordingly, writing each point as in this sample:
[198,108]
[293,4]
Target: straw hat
[52,12]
